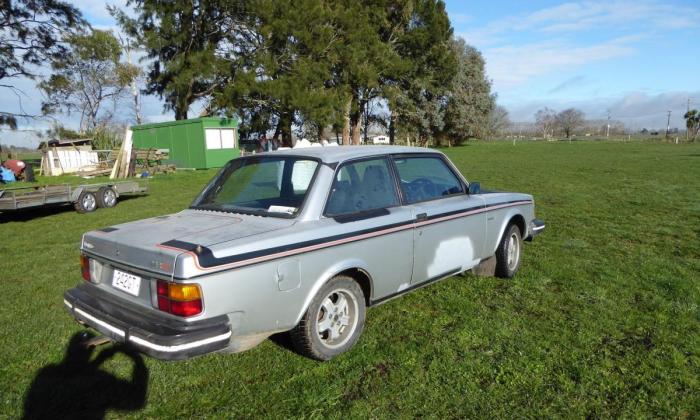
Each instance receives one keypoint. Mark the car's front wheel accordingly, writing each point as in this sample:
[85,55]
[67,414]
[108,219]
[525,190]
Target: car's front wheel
[509,252]
[333,322]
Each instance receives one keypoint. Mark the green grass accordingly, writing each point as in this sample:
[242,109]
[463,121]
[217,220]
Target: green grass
[602,320]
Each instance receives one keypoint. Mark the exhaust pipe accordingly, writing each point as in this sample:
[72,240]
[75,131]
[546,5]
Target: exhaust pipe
[96,341]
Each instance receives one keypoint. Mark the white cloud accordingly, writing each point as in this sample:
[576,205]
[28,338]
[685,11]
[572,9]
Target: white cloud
[569,36]
[512,65]
[588,15]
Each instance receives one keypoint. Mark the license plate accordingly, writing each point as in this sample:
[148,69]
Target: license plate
[126,282]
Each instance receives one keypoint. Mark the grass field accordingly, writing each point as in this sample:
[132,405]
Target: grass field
[602,320]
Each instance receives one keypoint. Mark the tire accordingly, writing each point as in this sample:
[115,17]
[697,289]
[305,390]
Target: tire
[322,332]
[106,197]
[509,252]
[87,202]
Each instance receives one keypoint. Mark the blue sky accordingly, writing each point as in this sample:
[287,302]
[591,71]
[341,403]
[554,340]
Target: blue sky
[636,59]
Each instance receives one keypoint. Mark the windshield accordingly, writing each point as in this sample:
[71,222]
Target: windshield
[274,186]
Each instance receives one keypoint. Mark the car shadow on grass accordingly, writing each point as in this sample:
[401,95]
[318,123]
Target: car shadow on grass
[78,387]
[283,340]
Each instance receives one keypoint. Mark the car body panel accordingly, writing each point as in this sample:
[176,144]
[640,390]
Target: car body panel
[261,272]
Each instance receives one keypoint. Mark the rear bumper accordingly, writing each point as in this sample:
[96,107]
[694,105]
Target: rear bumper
[536,227]
[158,337]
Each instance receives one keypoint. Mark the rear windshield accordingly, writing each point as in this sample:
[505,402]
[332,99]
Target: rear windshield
[270,186]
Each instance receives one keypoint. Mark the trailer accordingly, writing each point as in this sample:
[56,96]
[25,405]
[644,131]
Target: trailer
[85,198]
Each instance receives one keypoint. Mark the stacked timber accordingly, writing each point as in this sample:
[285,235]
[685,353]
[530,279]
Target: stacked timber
[122,164]
[152,161]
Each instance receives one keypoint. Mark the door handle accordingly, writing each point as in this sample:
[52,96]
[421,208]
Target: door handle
[422,216]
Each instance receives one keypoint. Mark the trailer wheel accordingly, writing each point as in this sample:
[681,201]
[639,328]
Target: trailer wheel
[106,197]
[87,202]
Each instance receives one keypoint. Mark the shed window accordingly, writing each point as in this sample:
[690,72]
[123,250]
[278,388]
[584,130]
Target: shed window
[220,138]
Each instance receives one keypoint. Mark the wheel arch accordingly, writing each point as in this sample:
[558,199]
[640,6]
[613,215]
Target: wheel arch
[75,193]
[354,268]
[513,216]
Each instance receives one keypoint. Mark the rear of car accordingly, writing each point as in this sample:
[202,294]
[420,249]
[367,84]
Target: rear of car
[145,310]
[136,285]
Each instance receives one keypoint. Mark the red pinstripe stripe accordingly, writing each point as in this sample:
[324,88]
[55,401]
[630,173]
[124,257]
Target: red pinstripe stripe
[339,241]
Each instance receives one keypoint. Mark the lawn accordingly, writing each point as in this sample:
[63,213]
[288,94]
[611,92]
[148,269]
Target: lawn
[603,320]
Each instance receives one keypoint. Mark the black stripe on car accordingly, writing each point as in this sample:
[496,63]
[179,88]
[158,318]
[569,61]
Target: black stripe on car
[206,258]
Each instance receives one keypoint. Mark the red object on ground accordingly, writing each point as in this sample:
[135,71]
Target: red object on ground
[16,166]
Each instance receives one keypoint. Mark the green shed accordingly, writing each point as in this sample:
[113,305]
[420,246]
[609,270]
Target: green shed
[197,143]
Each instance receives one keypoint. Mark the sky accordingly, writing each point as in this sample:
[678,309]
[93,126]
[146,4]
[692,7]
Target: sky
[633,59]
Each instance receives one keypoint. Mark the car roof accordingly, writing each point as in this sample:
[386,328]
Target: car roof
[332,154]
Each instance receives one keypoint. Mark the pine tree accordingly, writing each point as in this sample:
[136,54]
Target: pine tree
[181,40]
[417,89]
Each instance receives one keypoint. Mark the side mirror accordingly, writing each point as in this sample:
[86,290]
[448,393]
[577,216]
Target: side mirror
[474,188]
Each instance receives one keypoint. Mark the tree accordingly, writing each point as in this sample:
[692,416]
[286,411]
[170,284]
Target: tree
[31,35]
[569,120]
[86,76]
[181,40]
[279,74]
[692,123]
[546,120]
[470,102]
[418,84]
[499,121]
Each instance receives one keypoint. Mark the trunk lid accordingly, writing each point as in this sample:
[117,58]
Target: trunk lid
[136,244]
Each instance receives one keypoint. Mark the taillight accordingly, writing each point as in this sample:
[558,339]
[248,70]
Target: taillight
[179,299]
[85,267]
[91,269]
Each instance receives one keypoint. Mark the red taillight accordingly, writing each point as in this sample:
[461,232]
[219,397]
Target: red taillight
[179,299]
[162,288]
[189,308]
[85,267]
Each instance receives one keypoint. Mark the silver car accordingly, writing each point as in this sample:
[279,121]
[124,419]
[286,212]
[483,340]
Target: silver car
[299,240]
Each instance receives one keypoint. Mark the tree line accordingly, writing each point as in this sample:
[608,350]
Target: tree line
[310,66]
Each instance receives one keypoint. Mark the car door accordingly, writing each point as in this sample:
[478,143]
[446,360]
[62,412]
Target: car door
[449,227]
[364,202]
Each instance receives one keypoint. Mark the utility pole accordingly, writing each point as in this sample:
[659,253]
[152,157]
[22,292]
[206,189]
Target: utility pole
[607,128]
[668,125]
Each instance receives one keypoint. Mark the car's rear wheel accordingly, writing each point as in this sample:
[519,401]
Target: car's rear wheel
[333,322]
[509,252]
[87,202]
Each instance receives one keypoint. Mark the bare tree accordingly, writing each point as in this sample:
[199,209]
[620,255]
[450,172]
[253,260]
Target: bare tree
[86,77]
[546,120]
[569,120]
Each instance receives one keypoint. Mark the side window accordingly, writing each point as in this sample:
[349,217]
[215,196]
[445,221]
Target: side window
[426,178]
[362,186]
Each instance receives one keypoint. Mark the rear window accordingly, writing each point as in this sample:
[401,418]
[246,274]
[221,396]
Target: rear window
[274,186]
